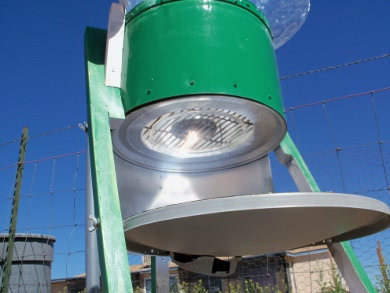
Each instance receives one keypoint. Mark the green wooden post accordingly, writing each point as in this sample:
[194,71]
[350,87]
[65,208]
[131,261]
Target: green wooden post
[105,102]
[342,252]
[14,215]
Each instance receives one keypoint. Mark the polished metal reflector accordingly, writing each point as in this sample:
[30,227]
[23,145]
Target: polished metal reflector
[197,132]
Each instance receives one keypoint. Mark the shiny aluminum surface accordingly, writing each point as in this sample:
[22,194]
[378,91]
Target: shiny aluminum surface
[267,129]
[255,224]
[142,189]
[201,132]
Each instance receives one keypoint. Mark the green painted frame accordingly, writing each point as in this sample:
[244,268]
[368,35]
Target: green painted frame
[104,102]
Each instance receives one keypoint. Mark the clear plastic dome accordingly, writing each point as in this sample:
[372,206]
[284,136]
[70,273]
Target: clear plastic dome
[285,17]
[130,4]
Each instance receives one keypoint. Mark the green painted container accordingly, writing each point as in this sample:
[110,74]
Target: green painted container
[191,47]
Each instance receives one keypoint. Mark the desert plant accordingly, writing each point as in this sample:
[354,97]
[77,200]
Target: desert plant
[234,289]
[65,290]
[199,288]
[383,281]
[251,287]
[335,285]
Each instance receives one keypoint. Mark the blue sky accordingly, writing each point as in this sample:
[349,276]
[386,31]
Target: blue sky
[42,81]
[42,68]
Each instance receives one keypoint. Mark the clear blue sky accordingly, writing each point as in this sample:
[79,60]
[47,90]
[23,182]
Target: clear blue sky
[337,32]
[42,82]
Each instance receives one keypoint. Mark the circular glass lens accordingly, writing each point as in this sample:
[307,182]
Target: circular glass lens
[197,132]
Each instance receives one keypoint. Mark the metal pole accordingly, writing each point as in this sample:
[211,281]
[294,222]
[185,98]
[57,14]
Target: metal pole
[91,247]
[343,254]
[14,215]
[153,276]
[160,274]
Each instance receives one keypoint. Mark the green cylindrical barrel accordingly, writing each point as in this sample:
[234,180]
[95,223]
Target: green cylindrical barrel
[191,47]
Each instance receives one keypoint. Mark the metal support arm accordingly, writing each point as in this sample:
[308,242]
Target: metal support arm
[343,254]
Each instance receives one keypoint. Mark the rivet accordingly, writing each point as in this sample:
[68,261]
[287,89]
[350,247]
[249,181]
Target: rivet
[192,82]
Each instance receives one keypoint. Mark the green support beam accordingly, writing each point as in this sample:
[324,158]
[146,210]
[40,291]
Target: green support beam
[343,253]
[105,102]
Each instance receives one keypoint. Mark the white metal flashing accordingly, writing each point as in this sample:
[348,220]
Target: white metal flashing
[114,45]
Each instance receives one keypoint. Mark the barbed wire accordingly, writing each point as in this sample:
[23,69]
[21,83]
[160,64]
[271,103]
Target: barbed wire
[337,99]
[282,78]
[347,148]
[286,109]
[41,134]
[53,226]
[44,159]
[335,67]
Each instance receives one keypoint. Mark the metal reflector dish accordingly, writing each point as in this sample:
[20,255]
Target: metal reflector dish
[255,224]
[199,133]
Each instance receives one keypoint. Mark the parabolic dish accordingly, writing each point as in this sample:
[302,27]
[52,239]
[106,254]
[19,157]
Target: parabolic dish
[285,17]
[255,224]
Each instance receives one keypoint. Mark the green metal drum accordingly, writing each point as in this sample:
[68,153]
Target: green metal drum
[186,48]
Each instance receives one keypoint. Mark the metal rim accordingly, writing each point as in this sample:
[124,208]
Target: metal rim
[245,4]
[29,236]
[269,128]
[255,224]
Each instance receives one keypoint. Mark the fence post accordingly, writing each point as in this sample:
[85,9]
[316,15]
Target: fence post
[14,215]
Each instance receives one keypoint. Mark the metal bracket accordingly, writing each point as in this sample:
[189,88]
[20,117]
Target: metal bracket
[83,126]
[95,223]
